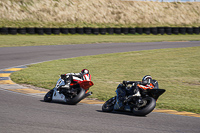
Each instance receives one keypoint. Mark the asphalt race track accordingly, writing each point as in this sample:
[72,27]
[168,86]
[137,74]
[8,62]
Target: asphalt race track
[22,113]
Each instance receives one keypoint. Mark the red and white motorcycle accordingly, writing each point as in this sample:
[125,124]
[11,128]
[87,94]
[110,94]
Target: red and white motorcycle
[77,91]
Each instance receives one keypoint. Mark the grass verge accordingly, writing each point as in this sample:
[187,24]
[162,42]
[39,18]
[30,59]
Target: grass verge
[36,40]
[177,71]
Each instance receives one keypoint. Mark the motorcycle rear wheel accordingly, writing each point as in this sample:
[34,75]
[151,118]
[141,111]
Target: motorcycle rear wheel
[77,98]
[48,96]
[108,106]
[149,106]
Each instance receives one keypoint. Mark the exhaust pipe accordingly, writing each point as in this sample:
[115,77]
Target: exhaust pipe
[87,94]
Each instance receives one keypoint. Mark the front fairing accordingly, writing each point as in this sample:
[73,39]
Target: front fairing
[58,97]
[59,83]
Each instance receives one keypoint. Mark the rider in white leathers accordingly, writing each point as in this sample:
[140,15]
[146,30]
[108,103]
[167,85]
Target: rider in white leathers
[75,77]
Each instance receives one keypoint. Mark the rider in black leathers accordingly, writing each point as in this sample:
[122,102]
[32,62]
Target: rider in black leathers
[124,90]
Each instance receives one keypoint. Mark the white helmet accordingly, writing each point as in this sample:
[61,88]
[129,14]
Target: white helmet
[147,79]
[85,71]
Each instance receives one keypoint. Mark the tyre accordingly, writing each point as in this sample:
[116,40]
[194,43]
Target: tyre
[147,107]
[87,30]
[189,30]
[55,31]
[102,31]
[132,30]
[39,31]
[139,30]
[12,31]
[117,30]
[47,31]
[79,31]
[48,96]
[110,30]
[78,98]
[125,30]
[30,30]
[154,30]
[95,31]
[64,30]
[146,31]
[168,30]
[72,30]
[108,106]
[21,30]
[182,30]
[161,30]
[175,30]
[196,30]
[4,31]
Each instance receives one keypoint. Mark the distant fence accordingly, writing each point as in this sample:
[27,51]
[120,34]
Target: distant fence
[102,31]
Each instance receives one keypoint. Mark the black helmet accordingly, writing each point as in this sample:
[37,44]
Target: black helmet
[85,71]
[147,79]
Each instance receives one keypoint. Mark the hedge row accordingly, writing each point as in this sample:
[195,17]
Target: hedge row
[103,31]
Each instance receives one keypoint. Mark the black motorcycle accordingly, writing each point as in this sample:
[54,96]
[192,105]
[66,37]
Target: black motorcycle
[140,105]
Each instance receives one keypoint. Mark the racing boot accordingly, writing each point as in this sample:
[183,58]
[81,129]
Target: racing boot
[67,85]
[119,105]
[136,92]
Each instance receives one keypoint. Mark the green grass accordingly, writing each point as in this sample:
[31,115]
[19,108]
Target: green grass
[36,40]
[177,71]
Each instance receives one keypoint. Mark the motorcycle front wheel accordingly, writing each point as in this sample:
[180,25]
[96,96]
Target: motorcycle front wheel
[48,96]
[146,107]
[108,106]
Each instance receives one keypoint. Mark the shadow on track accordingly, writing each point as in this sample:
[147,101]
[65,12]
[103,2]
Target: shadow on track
[61,103]
[121,113]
